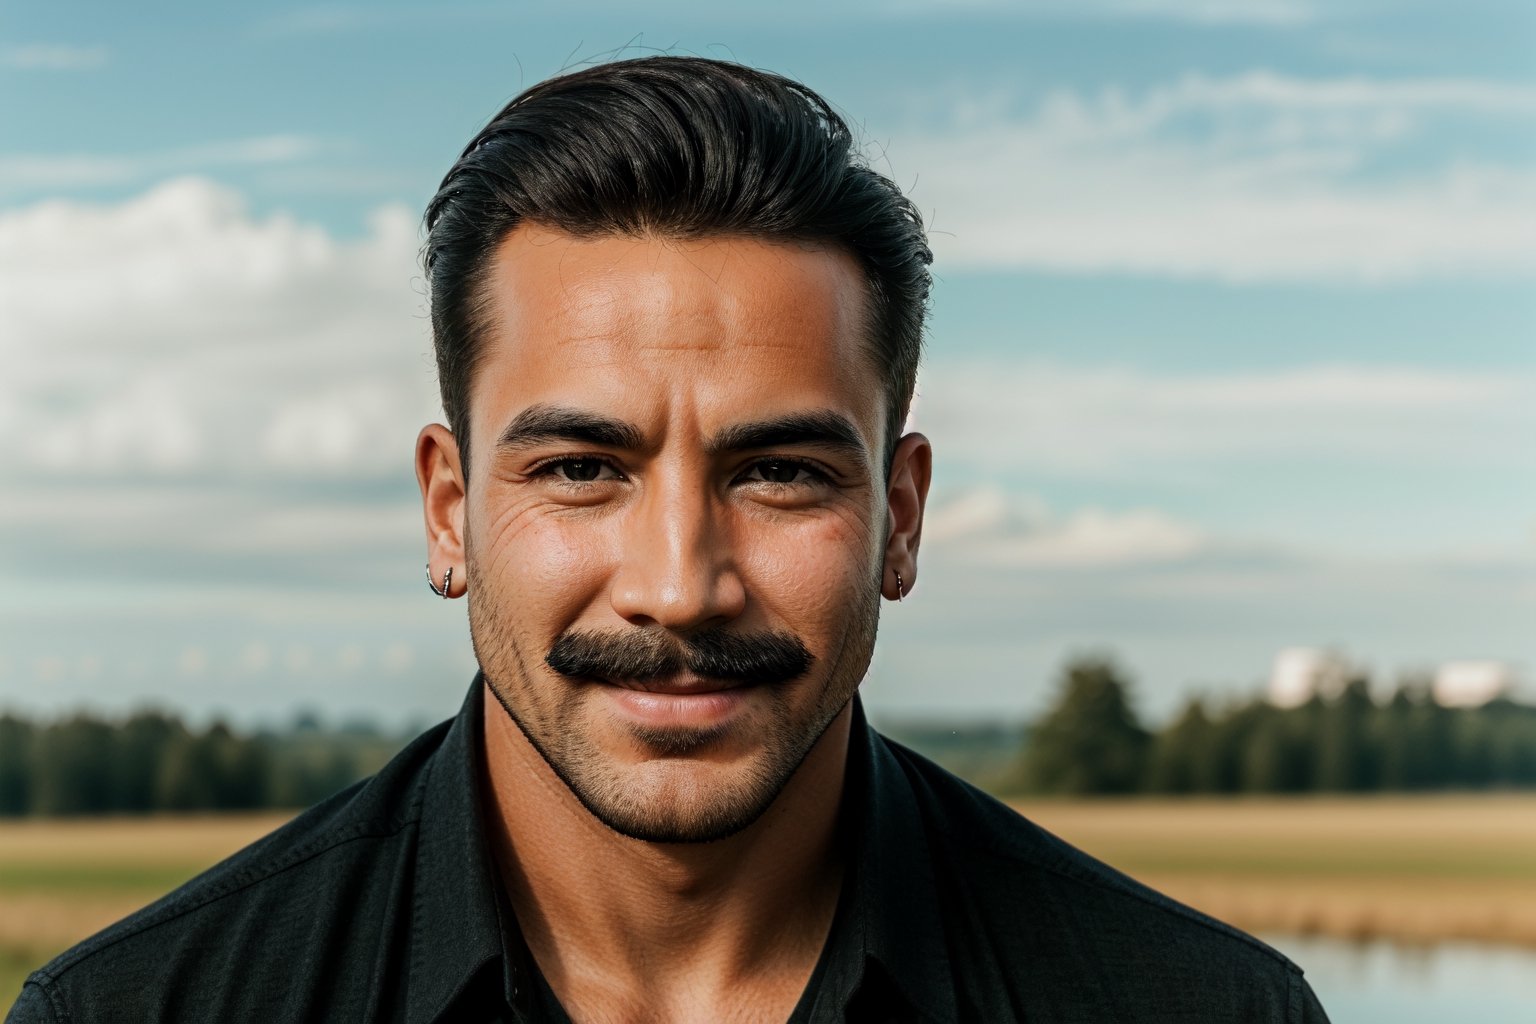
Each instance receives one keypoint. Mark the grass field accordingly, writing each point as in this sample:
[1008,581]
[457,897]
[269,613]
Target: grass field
[1417,869]
[62,880]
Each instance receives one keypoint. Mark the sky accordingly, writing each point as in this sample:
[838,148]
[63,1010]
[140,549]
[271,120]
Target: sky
[1233,339]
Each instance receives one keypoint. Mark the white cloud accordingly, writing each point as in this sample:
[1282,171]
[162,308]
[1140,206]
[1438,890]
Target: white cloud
[1124,423]
[178,337]
[335,427]
[194,520]
[193,661]
[982,511]
[255,658]
[173,361]
[1265,88]
[986,634]
[56,171]
[1255,177]
[350,658]
[298,658]
[989,527]
[50,57]
[144,423]
[176,333]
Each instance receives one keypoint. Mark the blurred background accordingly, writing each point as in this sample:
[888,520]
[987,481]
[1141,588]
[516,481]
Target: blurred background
[1231,379]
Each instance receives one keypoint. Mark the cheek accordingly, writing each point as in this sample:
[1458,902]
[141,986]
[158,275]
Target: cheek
[545,568]
[806,575]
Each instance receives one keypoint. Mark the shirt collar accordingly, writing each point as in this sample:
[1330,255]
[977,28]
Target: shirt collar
[897,896]
[456,912]
[459,924]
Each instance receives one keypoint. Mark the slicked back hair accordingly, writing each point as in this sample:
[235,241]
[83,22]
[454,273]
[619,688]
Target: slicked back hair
[681,147]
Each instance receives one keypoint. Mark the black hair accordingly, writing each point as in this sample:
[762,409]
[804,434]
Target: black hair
[677,147]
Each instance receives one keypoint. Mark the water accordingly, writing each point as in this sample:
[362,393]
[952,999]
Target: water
[1369,982]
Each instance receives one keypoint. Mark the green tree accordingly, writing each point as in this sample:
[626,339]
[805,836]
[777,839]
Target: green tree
[141,745]
[1345,762]
[243,769]
[307,769]
[1181,754]
[1511,751]
[1090,741]
[1397,769]
[72,767]
[17,736]
[1472,747]
[1274,756]
[190,774]
[1433,763]
[1231,731]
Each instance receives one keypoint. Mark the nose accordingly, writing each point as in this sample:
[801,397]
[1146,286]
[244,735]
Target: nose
[677,569]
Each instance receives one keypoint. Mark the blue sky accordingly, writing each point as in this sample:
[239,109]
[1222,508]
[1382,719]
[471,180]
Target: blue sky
[1232,343]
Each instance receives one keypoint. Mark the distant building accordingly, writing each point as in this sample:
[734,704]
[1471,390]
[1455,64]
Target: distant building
[1301,672]
[1471,684]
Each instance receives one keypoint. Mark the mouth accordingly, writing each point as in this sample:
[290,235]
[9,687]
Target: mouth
[678,685]
[671,706]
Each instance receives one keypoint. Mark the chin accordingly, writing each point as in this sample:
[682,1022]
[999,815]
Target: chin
[684,783]
[673,801]
[666,782]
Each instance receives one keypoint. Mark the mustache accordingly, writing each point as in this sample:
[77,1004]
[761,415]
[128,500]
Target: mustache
[761,657]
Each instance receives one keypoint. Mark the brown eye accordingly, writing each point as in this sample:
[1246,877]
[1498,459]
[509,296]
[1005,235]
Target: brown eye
[784,472]
[581,470]
[780,472]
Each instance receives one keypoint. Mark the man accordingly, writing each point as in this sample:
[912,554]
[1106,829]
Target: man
[677,326]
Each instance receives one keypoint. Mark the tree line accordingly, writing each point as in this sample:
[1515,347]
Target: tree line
[153,761]
[1091,741]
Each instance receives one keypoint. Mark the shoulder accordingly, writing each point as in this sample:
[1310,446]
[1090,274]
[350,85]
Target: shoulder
[321,871]
[1037,901]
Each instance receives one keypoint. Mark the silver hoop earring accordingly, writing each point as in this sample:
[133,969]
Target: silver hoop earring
[447,579]
[901,590]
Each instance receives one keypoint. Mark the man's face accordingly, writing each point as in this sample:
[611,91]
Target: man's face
[676,519]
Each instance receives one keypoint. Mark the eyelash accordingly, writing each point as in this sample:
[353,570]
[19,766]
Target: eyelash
[547,467]
[816,473]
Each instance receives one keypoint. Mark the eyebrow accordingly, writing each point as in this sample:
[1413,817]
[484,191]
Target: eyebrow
[823,428]
[541,424]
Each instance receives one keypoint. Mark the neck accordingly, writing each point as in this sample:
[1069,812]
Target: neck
[628,929]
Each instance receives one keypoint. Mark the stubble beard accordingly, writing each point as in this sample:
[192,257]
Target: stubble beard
[717,801]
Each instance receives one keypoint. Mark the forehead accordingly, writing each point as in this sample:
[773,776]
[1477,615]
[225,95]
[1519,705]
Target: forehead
[643,326]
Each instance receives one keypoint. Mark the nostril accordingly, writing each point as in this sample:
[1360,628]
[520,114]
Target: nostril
[678,605]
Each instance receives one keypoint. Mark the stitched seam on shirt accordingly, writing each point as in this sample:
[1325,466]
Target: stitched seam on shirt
[45,980]
[298,858]
[61,1012]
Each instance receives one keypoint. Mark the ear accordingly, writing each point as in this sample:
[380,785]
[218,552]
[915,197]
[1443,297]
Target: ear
[441,477]
[906,496]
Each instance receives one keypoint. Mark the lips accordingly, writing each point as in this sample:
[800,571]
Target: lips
[659,710]
[680,686]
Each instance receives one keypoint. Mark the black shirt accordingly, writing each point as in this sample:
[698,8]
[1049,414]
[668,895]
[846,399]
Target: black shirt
[381,904]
